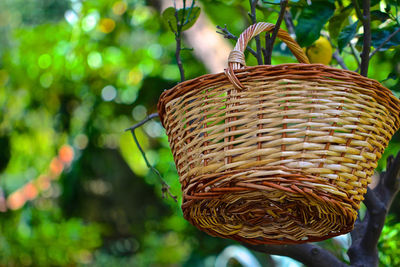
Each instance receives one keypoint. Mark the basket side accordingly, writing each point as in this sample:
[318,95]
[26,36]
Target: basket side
[325,127]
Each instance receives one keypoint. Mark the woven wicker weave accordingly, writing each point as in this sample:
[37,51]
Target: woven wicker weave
[276,154]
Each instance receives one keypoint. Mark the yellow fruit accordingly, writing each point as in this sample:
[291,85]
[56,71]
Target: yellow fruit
[320,51]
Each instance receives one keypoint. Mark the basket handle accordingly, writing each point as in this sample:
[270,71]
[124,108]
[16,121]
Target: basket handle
[236,58]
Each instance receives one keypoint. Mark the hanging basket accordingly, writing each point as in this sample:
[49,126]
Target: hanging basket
[276,154]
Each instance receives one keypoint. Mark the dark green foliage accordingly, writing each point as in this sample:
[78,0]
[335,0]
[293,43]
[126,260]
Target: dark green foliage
[311,21]
[380,35]
[346,35]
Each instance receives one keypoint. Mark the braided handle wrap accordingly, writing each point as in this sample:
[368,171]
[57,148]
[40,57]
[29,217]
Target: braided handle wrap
[236,58]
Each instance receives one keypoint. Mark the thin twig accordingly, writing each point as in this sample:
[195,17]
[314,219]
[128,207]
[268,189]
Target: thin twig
[356,55]
[165,186]
[384,42]
[289,24]
[228,35]
[137,125]
[270,44]
[253,4]
[339,60]
[178,39]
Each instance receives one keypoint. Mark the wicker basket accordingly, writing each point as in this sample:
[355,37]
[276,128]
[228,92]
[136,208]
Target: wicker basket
[276,154]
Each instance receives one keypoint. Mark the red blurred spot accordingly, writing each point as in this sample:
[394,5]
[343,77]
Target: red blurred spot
[56,167]
[43,182]
[16,200]
[30,191]
[66,154]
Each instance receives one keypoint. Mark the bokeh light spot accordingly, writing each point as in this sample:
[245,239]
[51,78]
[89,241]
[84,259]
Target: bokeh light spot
[134,76]
[44,61]
[153,129]
[139,112]
[46,79]
[108,93]
[129,95]
[81,141]
[43,182]
[90,21]
[30,191]
[71,17]
[107,25]
[119,8]
[94,60]
[155,51]
[66,154]
[16,200]
[56,167]
[140,15]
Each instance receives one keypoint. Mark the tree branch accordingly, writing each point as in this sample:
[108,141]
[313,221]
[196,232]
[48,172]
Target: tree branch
[339,60]
[364,251]
[148,118]
[366,20]
[178,39]
[365,235]
[253,4]
[309,254]
[356,56]
[165,187]
[289,23]
[228,35]
[384,42]
[270,41]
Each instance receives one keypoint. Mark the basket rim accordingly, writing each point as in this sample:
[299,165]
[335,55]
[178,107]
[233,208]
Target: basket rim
[319,71]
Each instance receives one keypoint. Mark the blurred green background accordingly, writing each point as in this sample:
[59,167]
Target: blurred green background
[74,189]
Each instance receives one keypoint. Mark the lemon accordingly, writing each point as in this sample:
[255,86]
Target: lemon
[320,51]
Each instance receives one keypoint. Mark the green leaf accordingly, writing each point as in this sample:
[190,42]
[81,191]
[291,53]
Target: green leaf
[337,22]
[311,21]
[391,76]
[380,35]
[347,35]
[188,15]
[168,16]
[379,15]
[191,17]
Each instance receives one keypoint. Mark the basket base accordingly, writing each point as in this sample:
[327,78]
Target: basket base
[268,206]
